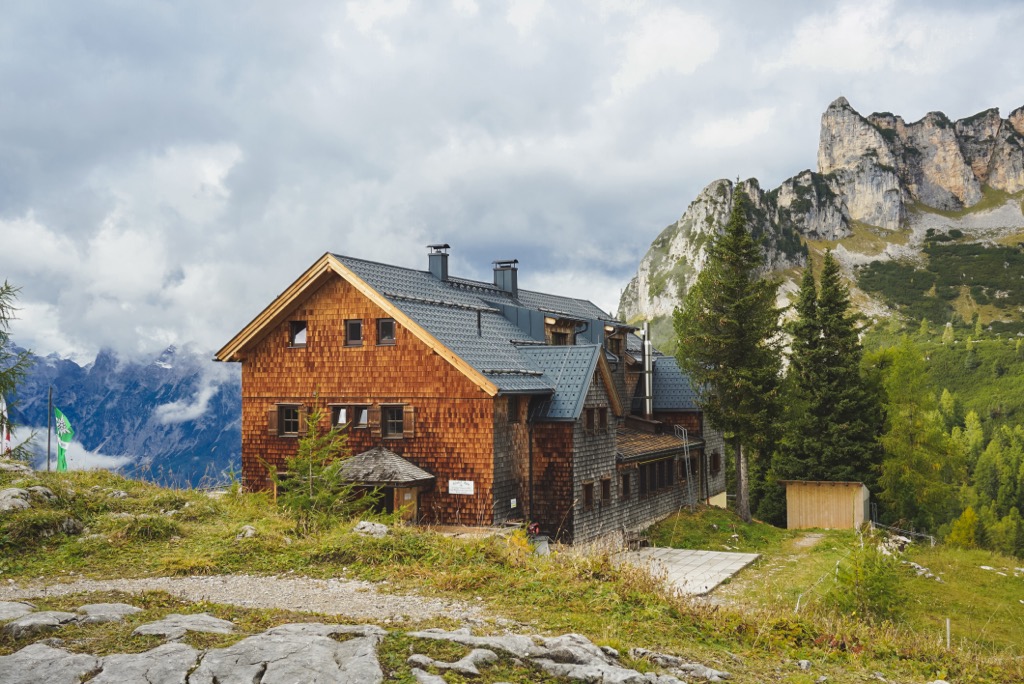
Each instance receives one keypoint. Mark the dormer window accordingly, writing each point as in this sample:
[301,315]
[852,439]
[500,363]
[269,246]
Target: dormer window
[297,334]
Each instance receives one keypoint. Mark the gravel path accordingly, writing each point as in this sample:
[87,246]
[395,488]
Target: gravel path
[349,598]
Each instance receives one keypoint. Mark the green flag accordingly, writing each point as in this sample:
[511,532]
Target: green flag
[64,434]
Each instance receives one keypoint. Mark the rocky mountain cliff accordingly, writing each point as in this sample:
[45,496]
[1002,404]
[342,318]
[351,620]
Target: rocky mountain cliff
[872,171]
[173,418]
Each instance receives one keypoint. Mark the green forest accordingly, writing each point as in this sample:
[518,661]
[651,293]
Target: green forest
[965,387]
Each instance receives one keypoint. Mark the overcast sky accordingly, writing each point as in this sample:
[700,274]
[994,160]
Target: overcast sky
[167,168]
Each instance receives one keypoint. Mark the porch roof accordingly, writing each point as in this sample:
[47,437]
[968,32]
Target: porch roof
[381,467]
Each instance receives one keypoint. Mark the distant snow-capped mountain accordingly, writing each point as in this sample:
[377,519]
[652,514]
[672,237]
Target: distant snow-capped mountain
[173,418]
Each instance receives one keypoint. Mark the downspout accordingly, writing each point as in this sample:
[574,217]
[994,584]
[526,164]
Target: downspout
[576,333]
[648,373]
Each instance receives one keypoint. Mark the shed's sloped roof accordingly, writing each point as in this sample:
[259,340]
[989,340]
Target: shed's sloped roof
[570,370]
[383,467]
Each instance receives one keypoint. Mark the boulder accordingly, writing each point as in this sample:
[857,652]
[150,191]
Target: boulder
[370,529]
[34,623]
[13,499]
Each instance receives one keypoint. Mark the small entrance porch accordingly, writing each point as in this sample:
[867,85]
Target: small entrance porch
[399,480]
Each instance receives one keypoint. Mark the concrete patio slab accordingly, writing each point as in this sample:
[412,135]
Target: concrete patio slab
[688,572]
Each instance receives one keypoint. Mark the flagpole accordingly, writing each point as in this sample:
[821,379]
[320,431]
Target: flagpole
[49,423]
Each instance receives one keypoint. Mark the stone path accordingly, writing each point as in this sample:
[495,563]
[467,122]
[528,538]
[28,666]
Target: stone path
[313,652]
[687,572]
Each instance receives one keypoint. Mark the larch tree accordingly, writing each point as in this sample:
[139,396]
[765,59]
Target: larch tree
[730,343]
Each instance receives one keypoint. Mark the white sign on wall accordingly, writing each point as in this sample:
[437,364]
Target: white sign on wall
[460,487]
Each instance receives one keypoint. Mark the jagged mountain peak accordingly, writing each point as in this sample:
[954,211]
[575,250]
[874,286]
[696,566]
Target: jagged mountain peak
[873,171]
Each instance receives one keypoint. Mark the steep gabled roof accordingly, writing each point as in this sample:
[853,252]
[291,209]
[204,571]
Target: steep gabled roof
[462,320]
[570,370]
[672,389]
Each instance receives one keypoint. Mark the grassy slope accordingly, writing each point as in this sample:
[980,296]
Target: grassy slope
[560,593]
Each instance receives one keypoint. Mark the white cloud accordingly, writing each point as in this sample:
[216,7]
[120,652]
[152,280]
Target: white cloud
[665,41]
[185,180]
[80,458]
[865,36]
[30,248]
[733,131]
[467,8]
[523,14]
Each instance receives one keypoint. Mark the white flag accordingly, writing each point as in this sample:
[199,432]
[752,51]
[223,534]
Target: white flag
[5,429]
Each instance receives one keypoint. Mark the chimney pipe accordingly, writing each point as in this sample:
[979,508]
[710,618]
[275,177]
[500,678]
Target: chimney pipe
[506,275]
[437,261]
[648,373]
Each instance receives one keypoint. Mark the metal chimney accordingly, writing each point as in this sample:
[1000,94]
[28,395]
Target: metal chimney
[506,275]
[648,373]
[437,261]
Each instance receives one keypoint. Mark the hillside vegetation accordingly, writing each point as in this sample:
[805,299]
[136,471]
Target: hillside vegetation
[127,528]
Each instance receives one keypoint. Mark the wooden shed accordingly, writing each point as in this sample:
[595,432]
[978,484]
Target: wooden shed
[829,505]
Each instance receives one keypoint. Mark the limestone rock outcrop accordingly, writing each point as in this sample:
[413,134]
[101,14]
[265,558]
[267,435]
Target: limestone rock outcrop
[871,170]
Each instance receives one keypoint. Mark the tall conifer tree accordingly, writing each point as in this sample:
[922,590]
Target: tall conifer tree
[835,416]
[728,330]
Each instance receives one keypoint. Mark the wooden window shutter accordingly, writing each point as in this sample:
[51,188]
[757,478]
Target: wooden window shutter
[373,419]
[302,421]
[272,420]
[408,421]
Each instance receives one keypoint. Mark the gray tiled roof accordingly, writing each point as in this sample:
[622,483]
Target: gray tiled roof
[383,467]
[462,315]
[570,369]
[672,390]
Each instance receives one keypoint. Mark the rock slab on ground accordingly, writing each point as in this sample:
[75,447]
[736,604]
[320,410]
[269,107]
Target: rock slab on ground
[296,653]
[174,626]
[95,613]
[10,610]
[41,663]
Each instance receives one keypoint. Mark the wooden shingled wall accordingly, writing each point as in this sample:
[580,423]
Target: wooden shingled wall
[454,418]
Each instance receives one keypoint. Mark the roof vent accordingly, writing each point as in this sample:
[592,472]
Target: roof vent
[505,275]
[437,261]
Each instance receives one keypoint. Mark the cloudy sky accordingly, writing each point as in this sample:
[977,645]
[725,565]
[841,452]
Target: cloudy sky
[167,168]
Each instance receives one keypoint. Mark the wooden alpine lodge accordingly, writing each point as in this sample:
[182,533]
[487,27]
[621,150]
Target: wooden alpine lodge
[475,403]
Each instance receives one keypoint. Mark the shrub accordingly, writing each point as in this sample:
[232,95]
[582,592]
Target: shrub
[311,489]
[868,584]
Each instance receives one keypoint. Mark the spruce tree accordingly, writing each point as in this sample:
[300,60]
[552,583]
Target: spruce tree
[848,409]
[833,415]
[729,342]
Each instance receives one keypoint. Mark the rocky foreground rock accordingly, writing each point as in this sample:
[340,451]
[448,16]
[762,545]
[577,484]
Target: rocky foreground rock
[303,652]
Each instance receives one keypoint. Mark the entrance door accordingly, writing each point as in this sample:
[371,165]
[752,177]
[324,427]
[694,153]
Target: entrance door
[405,501]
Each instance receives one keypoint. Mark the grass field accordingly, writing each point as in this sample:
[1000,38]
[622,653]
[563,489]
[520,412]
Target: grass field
[750,629]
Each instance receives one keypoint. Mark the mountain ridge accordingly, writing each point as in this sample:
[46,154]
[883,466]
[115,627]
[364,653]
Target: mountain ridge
[173,417]
[875,174]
